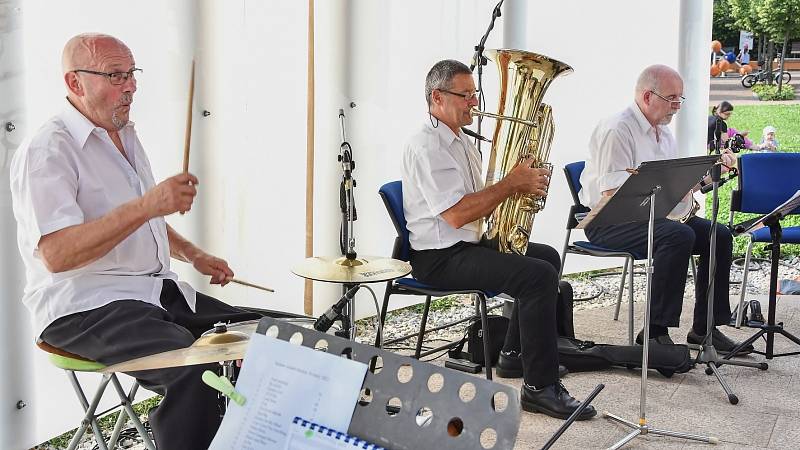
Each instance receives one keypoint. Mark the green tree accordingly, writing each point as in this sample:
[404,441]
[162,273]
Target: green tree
[724,28]
[745,17]
[780,19]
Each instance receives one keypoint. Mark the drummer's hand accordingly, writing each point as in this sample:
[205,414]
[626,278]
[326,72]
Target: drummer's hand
[217,268]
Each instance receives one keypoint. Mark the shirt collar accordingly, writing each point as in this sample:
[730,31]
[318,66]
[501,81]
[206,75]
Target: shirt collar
[644,124]
[444,132]
[79,126]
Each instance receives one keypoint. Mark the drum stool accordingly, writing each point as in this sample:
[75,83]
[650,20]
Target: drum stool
[72,363]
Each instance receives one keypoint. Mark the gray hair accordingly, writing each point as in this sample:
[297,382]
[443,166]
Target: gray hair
[652,76]
[441,76]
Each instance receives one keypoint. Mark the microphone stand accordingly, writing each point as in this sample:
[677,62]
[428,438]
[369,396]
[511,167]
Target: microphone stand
[708,354]
[346,311]
[479,60]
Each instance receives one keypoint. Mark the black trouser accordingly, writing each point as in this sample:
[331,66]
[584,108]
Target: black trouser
[532,280]
[673,243]
[188,416]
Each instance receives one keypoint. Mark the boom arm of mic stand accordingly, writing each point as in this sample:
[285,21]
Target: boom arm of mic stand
[478,60]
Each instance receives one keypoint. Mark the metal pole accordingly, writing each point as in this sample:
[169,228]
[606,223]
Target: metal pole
[646,343]
[642,428]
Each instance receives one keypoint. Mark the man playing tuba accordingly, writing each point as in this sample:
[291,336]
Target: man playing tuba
[444,200]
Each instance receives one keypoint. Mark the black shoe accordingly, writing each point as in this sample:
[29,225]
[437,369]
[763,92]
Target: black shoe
[553,400]
[663,339]
[509,365]
[722,343]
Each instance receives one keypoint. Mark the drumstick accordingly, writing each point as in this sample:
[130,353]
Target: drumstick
[188,138]
[245,283]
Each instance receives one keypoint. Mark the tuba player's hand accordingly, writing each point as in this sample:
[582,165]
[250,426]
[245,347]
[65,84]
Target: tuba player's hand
[529,180]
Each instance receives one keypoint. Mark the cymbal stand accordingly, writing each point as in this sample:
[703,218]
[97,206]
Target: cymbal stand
[642,428]
[347,241]
[707,353]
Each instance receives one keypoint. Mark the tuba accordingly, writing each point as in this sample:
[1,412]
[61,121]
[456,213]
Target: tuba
[524,128]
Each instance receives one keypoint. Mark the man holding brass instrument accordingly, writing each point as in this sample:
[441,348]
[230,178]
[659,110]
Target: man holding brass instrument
[622,142]
[444,200]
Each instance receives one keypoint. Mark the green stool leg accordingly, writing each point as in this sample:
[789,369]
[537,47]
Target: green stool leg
[90,408]
[125,401]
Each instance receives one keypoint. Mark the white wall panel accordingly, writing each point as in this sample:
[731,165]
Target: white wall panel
[18,407]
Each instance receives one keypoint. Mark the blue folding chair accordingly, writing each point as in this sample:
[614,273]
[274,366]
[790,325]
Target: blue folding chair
[392,195]
[765,181]
[573,173]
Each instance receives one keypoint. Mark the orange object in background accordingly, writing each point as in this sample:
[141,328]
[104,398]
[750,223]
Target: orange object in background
[744,70]
[716,46]
[723,65]
[715,71]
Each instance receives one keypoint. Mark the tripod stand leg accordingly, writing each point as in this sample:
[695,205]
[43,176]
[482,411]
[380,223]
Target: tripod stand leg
[619,419]
[743,287]
[694,437]
[731,396]
[743,344]
[626,439]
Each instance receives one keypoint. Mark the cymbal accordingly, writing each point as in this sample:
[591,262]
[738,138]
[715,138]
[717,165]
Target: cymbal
[227,337]
[196,354]
[339,269]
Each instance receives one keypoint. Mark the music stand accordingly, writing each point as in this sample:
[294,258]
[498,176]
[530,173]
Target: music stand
[635,201]
[773,221]
[410,404]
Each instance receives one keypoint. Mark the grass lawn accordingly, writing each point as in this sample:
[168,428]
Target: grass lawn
[786,119]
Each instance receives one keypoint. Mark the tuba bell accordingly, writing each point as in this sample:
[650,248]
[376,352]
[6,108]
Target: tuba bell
[524,128]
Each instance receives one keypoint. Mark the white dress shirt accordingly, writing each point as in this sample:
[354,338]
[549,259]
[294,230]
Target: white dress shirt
[621,142]
[68,173]
[439,168]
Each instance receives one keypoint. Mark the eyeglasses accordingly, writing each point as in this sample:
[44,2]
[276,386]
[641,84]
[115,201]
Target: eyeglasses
[673,102]
[467,97]
[116,78]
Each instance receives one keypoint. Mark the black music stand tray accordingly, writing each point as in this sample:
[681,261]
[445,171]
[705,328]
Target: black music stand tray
[410,404]
[636,201]
[773,221]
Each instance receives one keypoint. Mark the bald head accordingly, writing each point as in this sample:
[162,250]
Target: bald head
[88,51]
[659,93]
[654,77]
[88,62]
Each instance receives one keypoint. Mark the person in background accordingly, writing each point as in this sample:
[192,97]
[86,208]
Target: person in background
[768,142]
[743,57]
[717,127]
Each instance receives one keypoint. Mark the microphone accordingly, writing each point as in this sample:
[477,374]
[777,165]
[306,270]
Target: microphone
[477,136]
[325,321]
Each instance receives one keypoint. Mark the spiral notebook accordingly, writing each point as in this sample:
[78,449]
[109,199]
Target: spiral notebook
[305,435]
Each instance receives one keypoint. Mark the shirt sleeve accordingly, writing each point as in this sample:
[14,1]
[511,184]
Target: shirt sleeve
[438,177]
[614,156]
[49,189]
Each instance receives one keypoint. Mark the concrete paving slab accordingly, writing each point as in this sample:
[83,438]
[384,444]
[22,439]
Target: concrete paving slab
[767,416]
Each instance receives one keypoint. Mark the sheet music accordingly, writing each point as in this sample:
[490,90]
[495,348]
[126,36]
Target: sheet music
[281,381]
